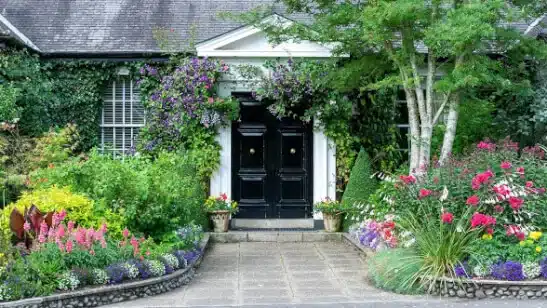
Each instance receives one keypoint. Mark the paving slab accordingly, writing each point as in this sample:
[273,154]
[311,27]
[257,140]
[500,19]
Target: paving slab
[271,274]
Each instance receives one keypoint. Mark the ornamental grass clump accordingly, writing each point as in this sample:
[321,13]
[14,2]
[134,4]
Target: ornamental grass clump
[396,270]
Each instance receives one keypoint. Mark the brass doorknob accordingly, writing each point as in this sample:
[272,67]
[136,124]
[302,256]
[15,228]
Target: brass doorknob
[293,150]
[252,151]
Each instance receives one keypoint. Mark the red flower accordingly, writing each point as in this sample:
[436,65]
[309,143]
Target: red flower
[489,231]
[521,236]
[447,217]
[224,197]
[515,203]
[512,230]
[529,184]
[481,178]
[479,220]
[520,170]
[424,192]
[473,200]
[498,208]
[502,191]
[408,179]
[506,165]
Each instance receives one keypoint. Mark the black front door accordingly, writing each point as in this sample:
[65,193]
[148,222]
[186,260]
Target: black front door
[271,164]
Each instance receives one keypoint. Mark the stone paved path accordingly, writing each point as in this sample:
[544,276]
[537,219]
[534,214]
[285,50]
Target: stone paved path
[326,274]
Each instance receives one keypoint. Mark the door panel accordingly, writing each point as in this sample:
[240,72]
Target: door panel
[271,164]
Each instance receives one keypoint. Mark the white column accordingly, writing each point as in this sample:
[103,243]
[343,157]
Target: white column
[324,168]
[221,180]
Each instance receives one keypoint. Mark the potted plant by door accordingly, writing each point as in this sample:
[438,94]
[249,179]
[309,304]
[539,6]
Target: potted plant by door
[220,208]
[333,213]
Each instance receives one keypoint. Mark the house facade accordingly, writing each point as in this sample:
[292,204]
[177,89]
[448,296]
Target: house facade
[276,169]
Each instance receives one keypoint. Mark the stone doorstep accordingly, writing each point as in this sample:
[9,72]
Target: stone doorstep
[274,236]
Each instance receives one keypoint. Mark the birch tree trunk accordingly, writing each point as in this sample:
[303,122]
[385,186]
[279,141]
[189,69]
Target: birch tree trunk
[414,125]
[450,133]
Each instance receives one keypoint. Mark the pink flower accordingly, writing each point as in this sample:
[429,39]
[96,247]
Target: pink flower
[69,246]
[125,233]
[481,178]
[511,230]
[520,170]
[529,184]
[103,228]
[61,246]
[485,145]
[211,100]
[224,197]
[447,217]
[473,200]
[55,220]
[515,203]
[148,253]
[26,226]
[489,231]
[43,228]
[80,236]
[70,226]
[60,232]
[62,215]
[498,208]
[521,236]
[502,190]
[225,68]
[408,179]
[41,238]
[92,252]
[424,192]
[506,165]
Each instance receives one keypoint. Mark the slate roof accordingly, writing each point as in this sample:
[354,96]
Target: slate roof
[126,26]
[121,26]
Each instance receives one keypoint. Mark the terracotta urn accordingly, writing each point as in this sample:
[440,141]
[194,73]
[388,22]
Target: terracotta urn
[221,220]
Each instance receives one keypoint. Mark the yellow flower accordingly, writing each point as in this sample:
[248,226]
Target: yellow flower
[487,236]
[538,249]
[535,235]
[522,243]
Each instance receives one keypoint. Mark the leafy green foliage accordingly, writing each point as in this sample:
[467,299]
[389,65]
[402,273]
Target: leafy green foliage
[155,197]
[55,147]
[395,270]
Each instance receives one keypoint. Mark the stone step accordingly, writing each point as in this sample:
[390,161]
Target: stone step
[274,236]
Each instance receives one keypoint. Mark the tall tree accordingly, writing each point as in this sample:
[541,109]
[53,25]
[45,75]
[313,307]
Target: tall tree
[439,49]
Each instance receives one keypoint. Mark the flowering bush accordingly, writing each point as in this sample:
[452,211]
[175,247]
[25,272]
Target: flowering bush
[329,206]
[85,256]
[220,203]
[375,234]
[183,109]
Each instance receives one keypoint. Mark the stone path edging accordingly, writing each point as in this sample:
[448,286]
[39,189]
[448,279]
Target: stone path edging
[98,296]
[474,288]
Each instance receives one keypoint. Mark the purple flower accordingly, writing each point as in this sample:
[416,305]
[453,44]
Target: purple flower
[116,273]
[543,265]
[144,271]
[461,270]
[509,270]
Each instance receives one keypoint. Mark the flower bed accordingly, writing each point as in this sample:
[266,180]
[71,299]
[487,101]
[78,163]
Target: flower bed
[54,256]
[92,297]
[477,218]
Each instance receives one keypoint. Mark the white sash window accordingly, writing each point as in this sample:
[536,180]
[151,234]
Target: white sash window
[122,117]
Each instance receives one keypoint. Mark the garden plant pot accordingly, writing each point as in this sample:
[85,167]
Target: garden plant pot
[221,220]
[332,222]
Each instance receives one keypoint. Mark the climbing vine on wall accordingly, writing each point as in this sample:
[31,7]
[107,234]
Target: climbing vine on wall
[184,110]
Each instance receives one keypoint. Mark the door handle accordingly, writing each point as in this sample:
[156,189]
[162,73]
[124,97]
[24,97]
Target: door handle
[292,151]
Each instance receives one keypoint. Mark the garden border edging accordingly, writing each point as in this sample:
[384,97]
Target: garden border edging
[105,295]
[480,289]
[471,288]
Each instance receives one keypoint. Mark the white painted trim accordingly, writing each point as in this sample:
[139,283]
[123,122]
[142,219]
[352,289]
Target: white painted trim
[535,27]
[324,167]
[18,34]
[221,180]
[213,47]
[264,54]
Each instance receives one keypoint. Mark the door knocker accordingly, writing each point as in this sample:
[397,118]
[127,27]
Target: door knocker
[252,151]
[293,150]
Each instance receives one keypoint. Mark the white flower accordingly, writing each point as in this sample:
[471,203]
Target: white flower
[531,269]
[444,194]
[332,102]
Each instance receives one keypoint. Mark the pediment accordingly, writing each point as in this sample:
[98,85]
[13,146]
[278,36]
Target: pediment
[250,41]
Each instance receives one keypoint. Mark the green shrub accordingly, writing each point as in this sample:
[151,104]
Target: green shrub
[155,196]
[395,270]
[55,147]
[175,197]
[360,186]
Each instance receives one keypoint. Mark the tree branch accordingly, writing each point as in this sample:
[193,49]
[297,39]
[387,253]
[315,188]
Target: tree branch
[441,108]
